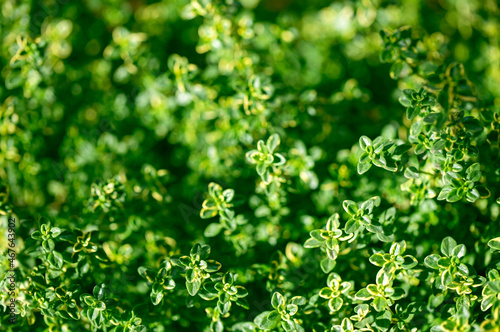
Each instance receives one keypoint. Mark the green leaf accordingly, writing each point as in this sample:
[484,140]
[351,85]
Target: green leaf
[377,259]
[224,297]
[335,304]
[227,214]
[454,195]
[391,166]
[379,162]
[217,326]
[446,278]
[350,207]
[444,193]
[312,243]
[444,262]
[463,270]
[261,168]
[195,250]
[396,249]
[401,149]
[280,160]
[351,226]
[292,309]
[472,195]
[411,173]
[327,265]
[273,142]
[363,295]
[277,300]
[383,278]
[365,142]
[494,243]
[156,297]
[252,157]
[48,245]
[492,287]
[37,235]
[420,148]
[378,145]
[208,213]
[228,195]
[383,320]
[432,118]
[213,229]
[170,284]
[363,167]
[447,246]
[399,69]
[412,112]
[242,303]
[332,253]
[13,81]
[193,287]
[379,303]
[214,189]
[436,300]
[182,261]
[55,231]
[432,261]
[403,100]
[298,300]
[268,321]
[288,325]
[224,307]
[316,234]
[459,251]
[260,318]
[45,227]
[409,262]
[386,238]
[325,292]
[241,292]
[474,172]
[331,243]
[212,266]
[73,312]
[399,293]
[266,177]
[346,325]
[364,158]
[100,291]
[262,147]
[472,124]
[55,259]
[487,302]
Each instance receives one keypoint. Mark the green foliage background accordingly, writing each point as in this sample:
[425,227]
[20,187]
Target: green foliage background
[130,132]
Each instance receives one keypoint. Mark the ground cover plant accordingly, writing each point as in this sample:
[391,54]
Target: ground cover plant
[250,165]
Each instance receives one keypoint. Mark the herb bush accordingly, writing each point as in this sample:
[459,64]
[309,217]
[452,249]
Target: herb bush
[249,166]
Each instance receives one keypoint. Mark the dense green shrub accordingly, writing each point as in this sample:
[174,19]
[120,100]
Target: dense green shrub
[213,165]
